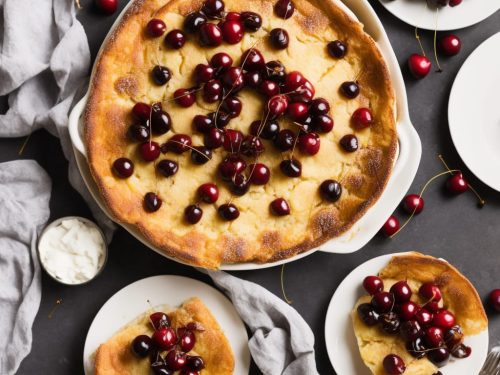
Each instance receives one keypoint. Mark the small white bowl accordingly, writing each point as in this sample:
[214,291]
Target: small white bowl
[86,221]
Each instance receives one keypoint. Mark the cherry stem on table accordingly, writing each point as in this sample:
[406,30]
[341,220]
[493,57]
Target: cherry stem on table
[282,277]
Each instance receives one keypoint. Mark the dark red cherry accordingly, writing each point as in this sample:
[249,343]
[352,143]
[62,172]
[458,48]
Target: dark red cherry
[142,345]
[201,155]
[208,193]
[367,314]
[232,140]
[454,3]
[139,132]
[337,49]
[221,62]
[457,184]
[269,131]
[494,299]
[165,338]
[416,347]
[233,16]
[450,45]
[277,105]
[269,88]
[214,138]
[285,140]
[159,320]
[444,319]
[424,317]
[304,93]
[389,322]
[156,27]
[220,119]
[161,75]
[432,306]
[401,291]
[413,204]
[178,143]
[408,310]
[430,292]
[195,363]
[232,80]
[213,8]
[203,73]
[160,120]
[411,330]
[297,111]
[231,166]
[188,341]
[382,302]
[175,360]
[212,91]
[373,285]
[291,167]
[202,123]
[350,89]
[394,364]
[106,6]
[362,118]
[193,213]
[259,174]
[453,336]
[319,106]
[160,368]
[330,190]
[419,65]
[193,22]
[167,167]
[175,39]
[252,60]
[275,71]
[251,21]
[349,142]
[461,351]
[284,9]
[184,97]
[252,80]
[279,38]
[232,106]
[439,356]
[228,212]
[152,202]
[279,207]
[309,143]
[210,35]
[149,151]
[123,167]
[323,123]
[391,226]
[252,146]
[142,111]
[293,81]
[239,185]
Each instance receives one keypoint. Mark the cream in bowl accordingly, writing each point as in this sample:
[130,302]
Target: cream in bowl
[72,250]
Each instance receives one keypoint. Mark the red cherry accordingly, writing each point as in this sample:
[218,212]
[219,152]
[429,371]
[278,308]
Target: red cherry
[285,139]
[408,310]
[297,111]
[231,166]
[252,60]
[175,360]
[259,174]
[432,306]
[221,62]
[494,299]
[413,204]
[394,364]
[175,39]
[373,285]
[450,45]
[213,8]
[203,73]
[293,81]
[269,88]
[210,35]
[165,338]
[401,291]
[362,118]
[232,140]
[214,138]
[193,213]
[202,123]
[309,143]
[430,292]
[232,31]
[212,91]
[444,319]
[323,123]
[159,320]
[123,167]
[188,340]
[277,105]
[178,143]
[184,97]
[233,16]
[142,111]
[424,317]
[232,106]
[252,146]
[391,226]
[419,65]
[434,337]
[304,93]
[152,202]
[156,27]
[232,80]
[107,6]
[457,184]
[382,302]
[208,193]
[279,207]
[149,151]
[284,8]
[454,3]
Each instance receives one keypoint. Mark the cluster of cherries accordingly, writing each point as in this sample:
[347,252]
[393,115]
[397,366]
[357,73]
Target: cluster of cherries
[428,329]
[167,347]
[286,94]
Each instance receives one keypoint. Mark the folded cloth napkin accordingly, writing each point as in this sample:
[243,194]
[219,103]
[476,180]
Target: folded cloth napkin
[24,202]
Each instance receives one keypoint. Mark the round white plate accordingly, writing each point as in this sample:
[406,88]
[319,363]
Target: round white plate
[132,301]
[474,113]
[341,342]
[417,13]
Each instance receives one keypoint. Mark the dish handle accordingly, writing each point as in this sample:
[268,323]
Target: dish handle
[75,132]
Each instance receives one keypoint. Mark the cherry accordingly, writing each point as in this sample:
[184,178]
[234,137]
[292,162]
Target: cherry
[275,71]
[252,146]
[142,111]
[167,167]
[175,39]
[152,202]
[208,193]
[285,140]
[461,351]
[201,155]
[349,142]
[159,320]
[284,9]
[161,368]
[252,60]
[319,106]
[232,140]
[231,166]
[220,119]
[391,226]
[279,207]
[411,330]
[193,213]
[251,21]
[232,80]
[454,3]
[269,88]
[142,346]
[175,360]
[232,31]
[330,190]
[416,347]
[389,322]
[161,75]
[107,6]
[304,93]
[453,337]
[367,314]
[149,151]
[212,91]
[203,123]
[165,338]
[494,299]
[457,184]
[239,185]
[277,105]
[413,204]
[259,174]
[184,97]
[382,302]
[349,89]
[123,167]
[337,49]
[450,45]
[210,35]
[323,123]
[439,356]
[297,111]
[373,285]
[394,364]
[269,130]
[194,21]
[401,291]
[430,292]
[309,143]
[432,306]
[139,132]
[203,73]
[423,317]
[233,16]
[195,363]
[232,106]
[160,120]
[279,38]
[188,340]
[156,27]
[214,138]
[444,319]
[361,118]
[408,310]
[228,212]
[291,167]
[178,143]
[293,81]
[213,8]
[252,80]
[419,65]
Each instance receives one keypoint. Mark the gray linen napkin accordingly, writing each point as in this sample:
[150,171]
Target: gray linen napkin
[24,202]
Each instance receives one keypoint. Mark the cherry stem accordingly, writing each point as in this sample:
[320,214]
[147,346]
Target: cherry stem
[78,5]
[23,146]
[417,36]
[282,277]
[190,147]
[435,38]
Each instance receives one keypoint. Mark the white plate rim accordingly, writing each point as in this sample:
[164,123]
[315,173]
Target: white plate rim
[351,287]
[454,124]
[220,306]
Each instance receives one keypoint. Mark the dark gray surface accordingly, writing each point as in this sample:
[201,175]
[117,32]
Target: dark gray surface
[452,228]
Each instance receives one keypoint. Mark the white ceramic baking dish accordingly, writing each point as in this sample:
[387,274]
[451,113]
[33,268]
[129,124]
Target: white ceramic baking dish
[363,230]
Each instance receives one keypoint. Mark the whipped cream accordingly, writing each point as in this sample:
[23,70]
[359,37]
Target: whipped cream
[72,251]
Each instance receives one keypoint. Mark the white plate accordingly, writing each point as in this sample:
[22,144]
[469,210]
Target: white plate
[417,13]
[404,171]
[131,301]
[340,339]
[474,112]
